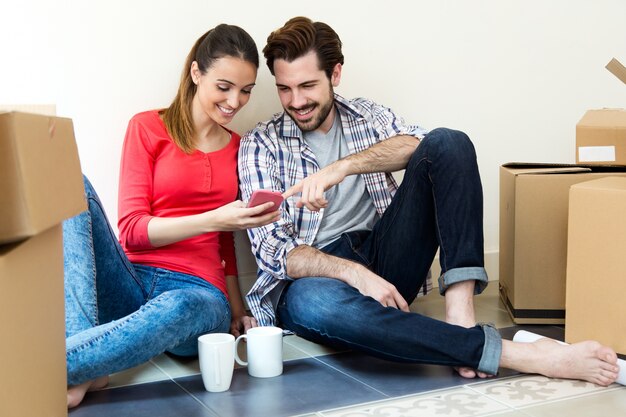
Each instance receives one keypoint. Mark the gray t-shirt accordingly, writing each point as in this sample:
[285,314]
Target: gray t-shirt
[350,206]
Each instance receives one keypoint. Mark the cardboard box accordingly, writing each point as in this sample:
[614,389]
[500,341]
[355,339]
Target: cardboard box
[40,177]
[533,236]
[596,263]
[601,137]
[601,134]
[32,324]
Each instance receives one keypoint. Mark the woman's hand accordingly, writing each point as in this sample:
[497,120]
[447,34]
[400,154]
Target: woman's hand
[240,325]
[236,216]
[240,322]
[230,217]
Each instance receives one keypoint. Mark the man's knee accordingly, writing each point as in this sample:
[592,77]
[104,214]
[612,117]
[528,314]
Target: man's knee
[447,146]
[449,140]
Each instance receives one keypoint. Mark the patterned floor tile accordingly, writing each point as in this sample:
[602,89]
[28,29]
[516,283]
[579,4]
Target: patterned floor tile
[610,403]
[529,390]
[453,402]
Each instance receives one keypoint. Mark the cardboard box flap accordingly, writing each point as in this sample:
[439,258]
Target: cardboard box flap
[617,184]
[40,176]
[604,118]
[616,68]
[523,168]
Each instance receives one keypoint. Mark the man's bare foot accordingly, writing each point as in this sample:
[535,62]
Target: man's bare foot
[76,393]
[587,361]
[460,311]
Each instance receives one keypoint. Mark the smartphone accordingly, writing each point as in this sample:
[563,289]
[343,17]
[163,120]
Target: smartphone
[263,196]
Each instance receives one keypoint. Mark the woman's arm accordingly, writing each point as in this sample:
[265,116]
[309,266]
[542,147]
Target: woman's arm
[233,216]
[240,322]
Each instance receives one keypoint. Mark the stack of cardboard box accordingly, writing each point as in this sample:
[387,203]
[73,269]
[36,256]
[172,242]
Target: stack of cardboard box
[562,252]
[40,186]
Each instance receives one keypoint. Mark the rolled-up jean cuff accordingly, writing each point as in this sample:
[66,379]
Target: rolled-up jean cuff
[453,276]
[492,350]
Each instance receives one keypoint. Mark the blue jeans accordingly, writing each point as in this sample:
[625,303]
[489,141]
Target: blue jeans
[438,205]
[119,314]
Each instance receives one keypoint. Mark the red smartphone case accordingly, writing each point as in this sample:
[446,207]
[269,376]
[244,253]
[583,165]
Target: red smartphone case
[263,196]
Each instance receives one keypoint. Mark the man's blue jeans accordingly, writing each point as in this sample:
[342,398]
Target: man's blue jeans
[438,205]
[119,314]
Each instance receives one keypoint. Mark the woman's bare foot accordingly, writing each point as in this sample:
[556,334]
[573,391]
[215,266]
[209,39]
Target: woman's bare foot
[587,361]
[460,311]
[76,393]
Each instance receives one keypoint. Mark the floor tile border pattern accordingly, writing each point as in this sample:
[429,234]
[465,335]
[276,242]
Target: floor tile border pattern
[478,399]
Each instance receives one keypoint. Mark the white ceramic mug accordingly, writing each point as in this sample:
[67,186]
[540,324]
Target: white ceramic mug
[217,360]
[265,351]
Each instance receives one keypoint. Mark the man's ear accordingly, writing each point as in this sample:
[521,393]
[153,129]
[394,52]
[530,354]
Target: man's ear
[335,77]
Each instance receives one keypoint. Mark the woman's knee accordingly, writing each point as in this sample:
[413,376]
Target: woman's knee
[194,313]
[199,310]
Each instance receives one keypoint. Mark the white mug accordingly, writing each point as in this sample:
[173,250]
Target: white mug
[217,353]
[265,351]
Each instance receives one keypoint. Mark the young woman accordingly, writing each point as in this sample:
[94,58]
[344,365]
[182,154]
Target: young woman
[172,275]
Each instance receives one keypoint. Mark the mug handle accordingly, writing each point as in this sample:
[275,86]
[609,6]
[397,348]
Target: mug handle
[239,361]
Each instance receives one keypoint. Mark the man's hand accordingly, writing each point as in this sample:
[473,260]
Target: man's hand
[306,261]
[314,186]
[370,284]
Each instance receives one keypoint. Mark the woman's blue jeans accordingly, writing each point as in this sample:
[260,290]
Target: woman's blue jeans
[438,205]
[119,314]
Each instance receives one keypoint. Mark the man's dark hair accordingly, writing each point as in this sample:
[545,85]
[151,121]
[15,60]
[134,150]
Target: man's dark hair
[298,37]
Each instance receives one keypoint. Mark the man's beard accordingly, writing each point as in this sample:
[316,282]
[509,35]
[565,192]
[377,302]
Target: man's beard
[317,121]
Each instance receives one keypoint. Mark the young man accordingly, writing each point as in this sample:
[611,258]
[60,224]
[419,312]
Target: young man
[352,249]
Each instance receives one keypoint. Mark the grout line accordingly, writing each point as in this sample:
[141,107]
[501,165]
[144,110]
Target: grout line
[351,377]
[338,370]
[309,355]
[213,413]
[508,406]
[130,384]
[162,370]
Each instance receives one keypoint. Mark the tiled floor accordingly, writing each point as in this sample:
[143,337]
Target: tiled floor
[318,381]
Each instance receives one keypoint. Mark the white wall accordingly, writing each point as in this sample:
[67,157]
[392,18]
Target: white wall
[516,75]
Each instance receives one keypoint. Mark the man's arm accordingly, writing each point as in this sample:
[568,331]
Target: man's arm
[305,261]
[389,155]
